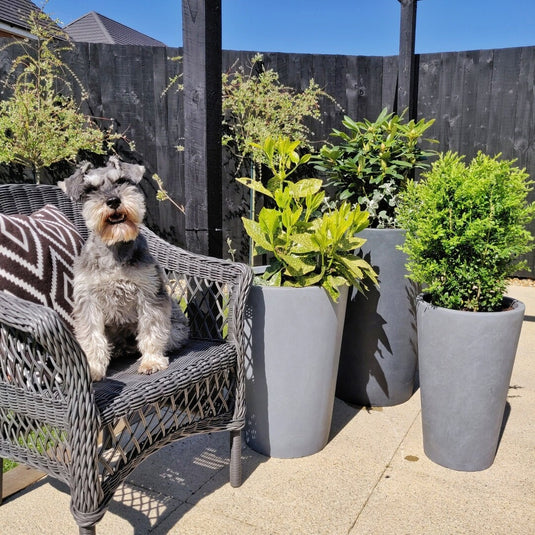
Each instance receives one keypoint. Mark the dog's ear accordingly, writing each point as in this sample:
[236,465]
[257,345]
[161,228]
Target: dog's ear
[74,185]
[133,171]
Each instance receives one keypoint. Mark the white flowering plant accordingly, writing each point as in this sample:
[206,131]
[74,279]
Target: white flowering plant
[373,163]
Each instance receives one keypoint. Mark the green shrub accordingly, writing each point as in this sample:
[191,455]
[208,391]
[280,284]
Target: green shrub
[41,123]
[466,229]
[373,162]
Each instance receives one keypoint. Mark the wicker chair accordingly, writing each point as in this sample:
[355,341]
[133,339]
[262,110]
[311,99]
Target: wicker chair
[92,435]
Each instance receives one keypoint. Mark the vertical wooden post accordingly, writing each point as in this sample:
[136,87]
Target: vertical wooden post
[201,26]
[407,64]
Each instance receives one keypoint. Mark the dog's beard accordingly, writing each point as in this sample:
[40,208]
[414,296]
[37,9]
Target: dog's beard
[118,227]
[113,226]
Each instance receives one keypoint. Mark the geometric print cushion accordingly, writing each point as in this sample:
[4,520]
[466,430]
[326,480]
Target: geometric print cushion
[36,258]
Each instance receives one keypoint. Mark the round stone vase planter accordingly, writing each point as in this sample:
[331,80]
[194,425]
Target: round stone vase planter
[291,365]
[465,365]
[378,358]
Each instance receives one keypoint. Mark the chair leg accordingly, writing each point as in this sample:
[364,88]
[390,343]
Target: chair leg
[235,459]
[1,479]
[91,530]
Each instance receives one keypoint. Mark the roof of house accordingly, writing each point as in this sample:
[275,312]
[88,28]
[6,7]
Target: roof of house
[95,28]
[14,15]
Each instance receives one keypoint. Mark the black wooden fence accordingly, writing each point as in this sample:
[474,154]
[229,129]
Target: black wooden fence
[481,100]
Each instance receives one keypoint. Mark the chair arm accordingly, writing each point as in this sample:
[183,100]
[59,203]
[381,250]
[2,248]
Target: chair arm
[219,288]
[210,268]
[33,335]
[46,394]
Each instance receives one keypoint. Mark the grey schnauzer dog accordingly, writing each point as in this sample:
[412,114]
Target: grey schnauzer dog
[121,303]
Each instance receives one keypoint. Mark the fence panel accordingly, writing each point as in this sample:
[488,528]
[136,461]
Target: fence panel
[481,100]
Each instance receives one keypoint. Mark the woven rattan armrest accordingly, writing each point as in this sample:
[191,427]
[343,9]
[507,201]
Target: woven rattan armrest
[208,276]
[39,326]
[45,391]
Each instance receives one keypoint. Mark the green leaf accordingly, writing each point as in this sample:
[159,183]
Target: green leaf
[255,185]
[333,285]
[270,222]
[304,187]
[297,266]
[304,159]
[305,242]
[273,274]
[291,217]
[359,268]
[282,198]
[254,230]
[312,279]
[354,242]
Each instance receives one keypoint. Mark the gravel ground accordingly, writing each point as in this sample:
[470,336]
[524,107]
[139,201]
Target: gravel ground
[522,282]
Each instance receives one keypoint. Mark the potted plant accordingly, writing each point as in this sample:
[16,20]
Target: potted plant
[369,168]
[296,312]
[466,229]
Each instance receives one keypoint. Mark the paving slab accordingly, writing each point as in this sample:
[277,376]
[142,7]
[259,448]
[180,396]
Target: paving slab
[372,478]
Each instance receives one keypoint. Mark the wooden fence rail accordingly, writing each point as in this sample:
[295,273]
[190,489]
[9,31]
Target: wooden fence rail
[481,100]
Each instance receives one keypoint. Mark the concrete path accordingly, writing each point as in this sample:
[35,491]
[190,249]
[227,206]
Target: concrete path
[373,478]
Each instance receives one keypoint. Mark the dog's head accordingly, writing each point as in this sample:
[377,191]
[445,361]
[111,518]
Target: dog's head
[113,206]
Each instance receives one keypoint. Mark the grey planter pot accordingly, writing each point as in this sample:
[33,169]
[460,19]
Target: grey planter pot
[466,360]
[378,358]
[292,361]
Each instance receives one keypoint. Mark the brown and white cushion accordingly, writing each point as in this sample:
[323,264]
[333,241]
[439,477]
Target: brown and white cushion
[36,258]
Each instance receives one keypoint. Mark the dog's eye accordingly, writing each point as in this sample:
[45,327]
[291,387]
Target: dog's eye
[123,180]
[89,189]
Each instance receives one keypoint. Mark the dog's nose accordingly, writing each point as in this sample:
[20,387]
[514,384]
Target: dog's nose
[113,202]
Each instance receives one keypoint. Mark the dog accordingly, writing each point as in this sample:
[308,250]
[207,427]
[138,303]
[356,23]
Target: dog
[121,302]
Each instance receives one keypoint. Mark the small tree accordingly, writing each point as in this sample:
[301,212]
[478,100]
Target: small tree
[373,162]
[307,247]
[257,106]
[39,124]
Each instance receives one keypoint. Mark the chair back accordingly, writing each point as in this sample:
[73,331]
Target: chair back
[28,198]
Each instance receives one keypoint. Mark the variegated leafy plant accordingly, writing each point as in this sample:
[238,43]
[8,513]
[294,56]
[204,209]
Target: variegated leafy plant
[307,247]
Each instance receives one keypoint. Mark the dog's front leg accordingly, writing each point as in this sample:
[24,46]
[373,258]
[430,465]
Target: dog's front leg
[89,330]
[154,327]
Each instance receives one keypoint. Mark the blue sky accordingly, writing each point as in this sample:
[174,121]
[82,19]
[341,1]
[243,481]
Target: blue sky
[353,27]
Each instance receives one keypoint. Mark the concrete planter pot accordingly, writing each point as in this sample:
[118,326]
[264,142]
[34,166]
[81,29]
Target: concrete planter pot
[292,362]
[378,358]
[465,361]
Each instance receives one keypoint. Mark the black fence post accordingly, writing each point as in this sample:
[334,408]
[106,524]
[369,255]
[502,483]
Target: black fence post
[201,23]
[407,98]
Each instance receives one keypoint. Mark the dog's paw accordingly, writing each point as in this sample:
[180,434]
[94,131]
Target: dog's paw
[152,363]
[97,372]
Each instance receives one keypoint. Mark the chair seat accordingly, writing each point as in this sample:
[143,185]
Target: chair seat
[125,390]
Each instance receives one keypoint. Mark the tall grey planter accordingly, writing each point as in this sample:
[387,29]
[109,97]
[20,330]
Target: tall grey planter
[378,358]
[292,361]
[466,360]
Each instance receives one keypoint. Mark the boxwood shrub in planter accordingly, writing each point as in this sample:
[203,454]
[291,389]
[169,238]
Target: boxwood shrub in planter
[369,167]
[296,317]
[466,232]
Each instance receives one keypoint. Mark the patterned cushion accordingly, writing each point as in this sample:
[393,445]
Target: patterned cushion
[36,258]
